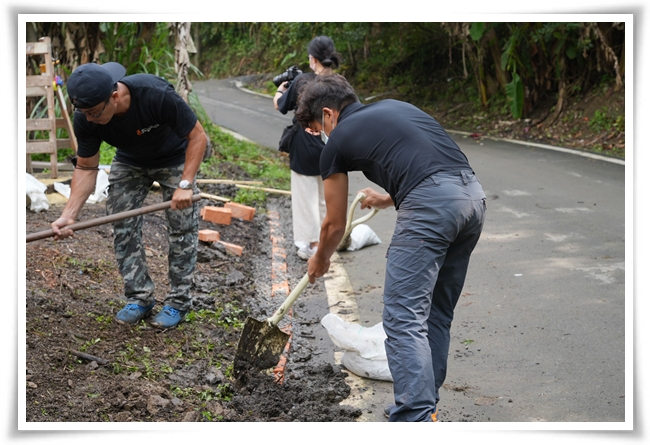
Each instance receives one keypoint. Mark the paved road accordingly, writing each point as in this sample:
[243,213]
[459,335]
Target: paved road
[539,333]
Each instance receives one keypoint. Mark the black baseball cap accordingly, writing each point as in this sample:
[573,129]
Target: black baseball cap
[91,84]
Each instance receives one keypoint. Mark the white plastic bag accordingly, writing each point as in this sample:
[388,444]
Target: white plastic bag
[362,236]
[101,188]
[364,352]
[371,369]
[35,191]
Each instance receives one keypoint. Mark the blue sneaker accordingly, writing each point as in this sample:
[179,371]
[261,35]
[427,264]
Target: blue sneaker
[168,317]
[133,313]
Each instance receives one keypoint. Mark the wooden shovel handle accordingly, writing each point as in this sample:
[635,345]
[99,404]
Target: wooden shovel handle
[107,219]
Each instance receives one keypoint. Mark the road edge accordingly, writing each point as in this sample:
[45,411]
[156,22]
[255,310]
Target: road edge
[573,151]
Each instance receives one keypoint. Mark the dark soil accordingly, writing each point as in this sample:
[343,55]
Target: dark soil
[139,373]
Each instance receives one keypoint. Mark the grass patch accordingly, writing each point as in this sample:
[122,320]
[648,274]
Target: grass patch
[257,162]
[236,159]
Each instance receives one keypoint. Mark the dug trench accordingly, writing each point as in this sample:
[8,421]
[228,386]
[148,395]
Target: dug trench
[82,366]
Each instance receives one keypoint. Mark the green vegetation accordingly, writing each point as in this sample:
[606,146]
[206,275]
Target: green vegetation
[257,162]
[89,343]
[91,267]
[602,121]
[106,154]
[190,344]
[481,72]
[225,316]
[142,47]
[508,69]
[427,62]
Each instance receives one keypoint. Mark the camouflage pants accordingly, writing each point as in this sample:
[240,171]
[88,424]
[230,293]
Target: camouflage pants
[129,187]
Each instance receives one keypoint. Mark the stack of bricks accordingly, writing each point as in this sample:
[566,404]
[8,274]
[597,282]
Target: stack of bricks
[223,216]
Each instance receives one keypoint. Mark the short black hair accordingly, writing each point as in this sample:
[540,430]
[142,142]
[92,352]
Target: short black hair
[323,91]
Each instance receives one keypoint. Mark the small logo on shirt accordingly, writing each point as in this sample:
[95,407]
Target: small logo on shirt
[146,130]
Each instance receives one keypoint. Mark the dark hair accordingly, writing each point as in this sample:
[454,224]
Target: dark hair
[322,48]
[323,91]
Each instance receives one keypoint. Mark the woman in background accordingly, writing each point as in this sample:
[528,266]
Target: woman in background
[307,196]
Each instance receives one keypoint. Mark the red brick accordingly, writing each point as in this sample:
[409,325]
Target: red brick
[241,211]
[208,235]
[232,248]
[217,215]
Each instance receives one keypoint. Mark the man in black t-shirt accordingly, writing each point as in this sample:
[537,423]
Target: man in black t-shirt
[440,213]
[157,138]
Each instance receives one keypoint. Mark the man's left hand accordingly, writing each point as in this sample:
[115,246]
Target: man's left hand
[182,199]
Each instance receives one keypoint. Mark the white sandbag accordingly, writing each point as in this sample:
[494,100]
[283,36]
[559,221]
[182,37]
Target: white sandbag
[35,191]
[370,369]
[101,188]
[362,236]
[368,342]
[364,351]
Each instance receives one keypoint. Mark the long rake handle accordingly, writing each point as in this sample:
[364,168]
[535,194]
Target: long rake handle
[107,219]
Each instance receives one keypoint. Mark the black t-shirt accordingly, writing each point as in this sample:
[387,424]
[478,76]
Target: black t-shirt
[305,150]
[153,132]
[395,145]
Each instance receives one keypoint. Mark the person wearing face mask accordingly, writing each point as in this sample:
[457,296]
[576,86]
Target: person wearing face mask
[307,195]
[440,215]
[157,138]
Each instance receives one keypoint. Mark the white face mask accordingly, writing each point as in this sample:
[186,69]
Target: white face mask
[323,136]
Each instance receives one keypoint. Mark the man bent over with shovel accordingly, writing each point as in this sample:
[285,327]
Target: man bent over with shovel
[440,213]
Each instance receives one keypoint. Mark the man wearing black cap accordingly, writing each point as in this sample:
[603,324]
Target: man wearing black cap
[157,138]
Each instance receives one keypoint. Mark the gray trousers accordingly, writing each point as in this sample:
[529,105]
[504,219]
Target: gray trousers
[438,225]
[129,187]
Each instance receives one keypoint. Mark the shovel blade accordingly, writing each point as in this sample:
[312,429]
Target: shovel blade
[260,345]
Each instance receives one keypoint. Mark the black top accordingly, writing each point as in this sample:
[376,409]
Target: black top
[305,150]
[153,132]
[395,145]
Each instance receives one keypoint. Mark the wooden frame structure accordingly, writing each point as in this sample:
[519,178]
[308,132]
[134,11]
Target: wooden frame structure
[39,86]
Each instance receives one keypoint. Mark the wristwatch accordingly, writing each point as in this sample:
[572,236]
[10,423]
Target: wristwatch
[185,184]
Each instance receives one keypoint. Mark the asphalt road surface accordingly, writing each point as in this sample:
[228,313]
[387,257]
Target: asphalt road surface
[539,333]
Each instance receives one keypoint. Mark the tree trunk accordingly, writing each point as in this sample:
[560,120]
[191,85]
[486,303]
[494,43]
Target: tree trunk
[610,55]
[197,43]
[559,105]
[495,51]
[146,30]
[183,46]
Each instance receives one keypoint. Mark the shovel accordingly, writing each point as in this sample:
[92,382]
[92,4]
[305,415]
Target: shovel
[262,342]
[107,219]
[347,239]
